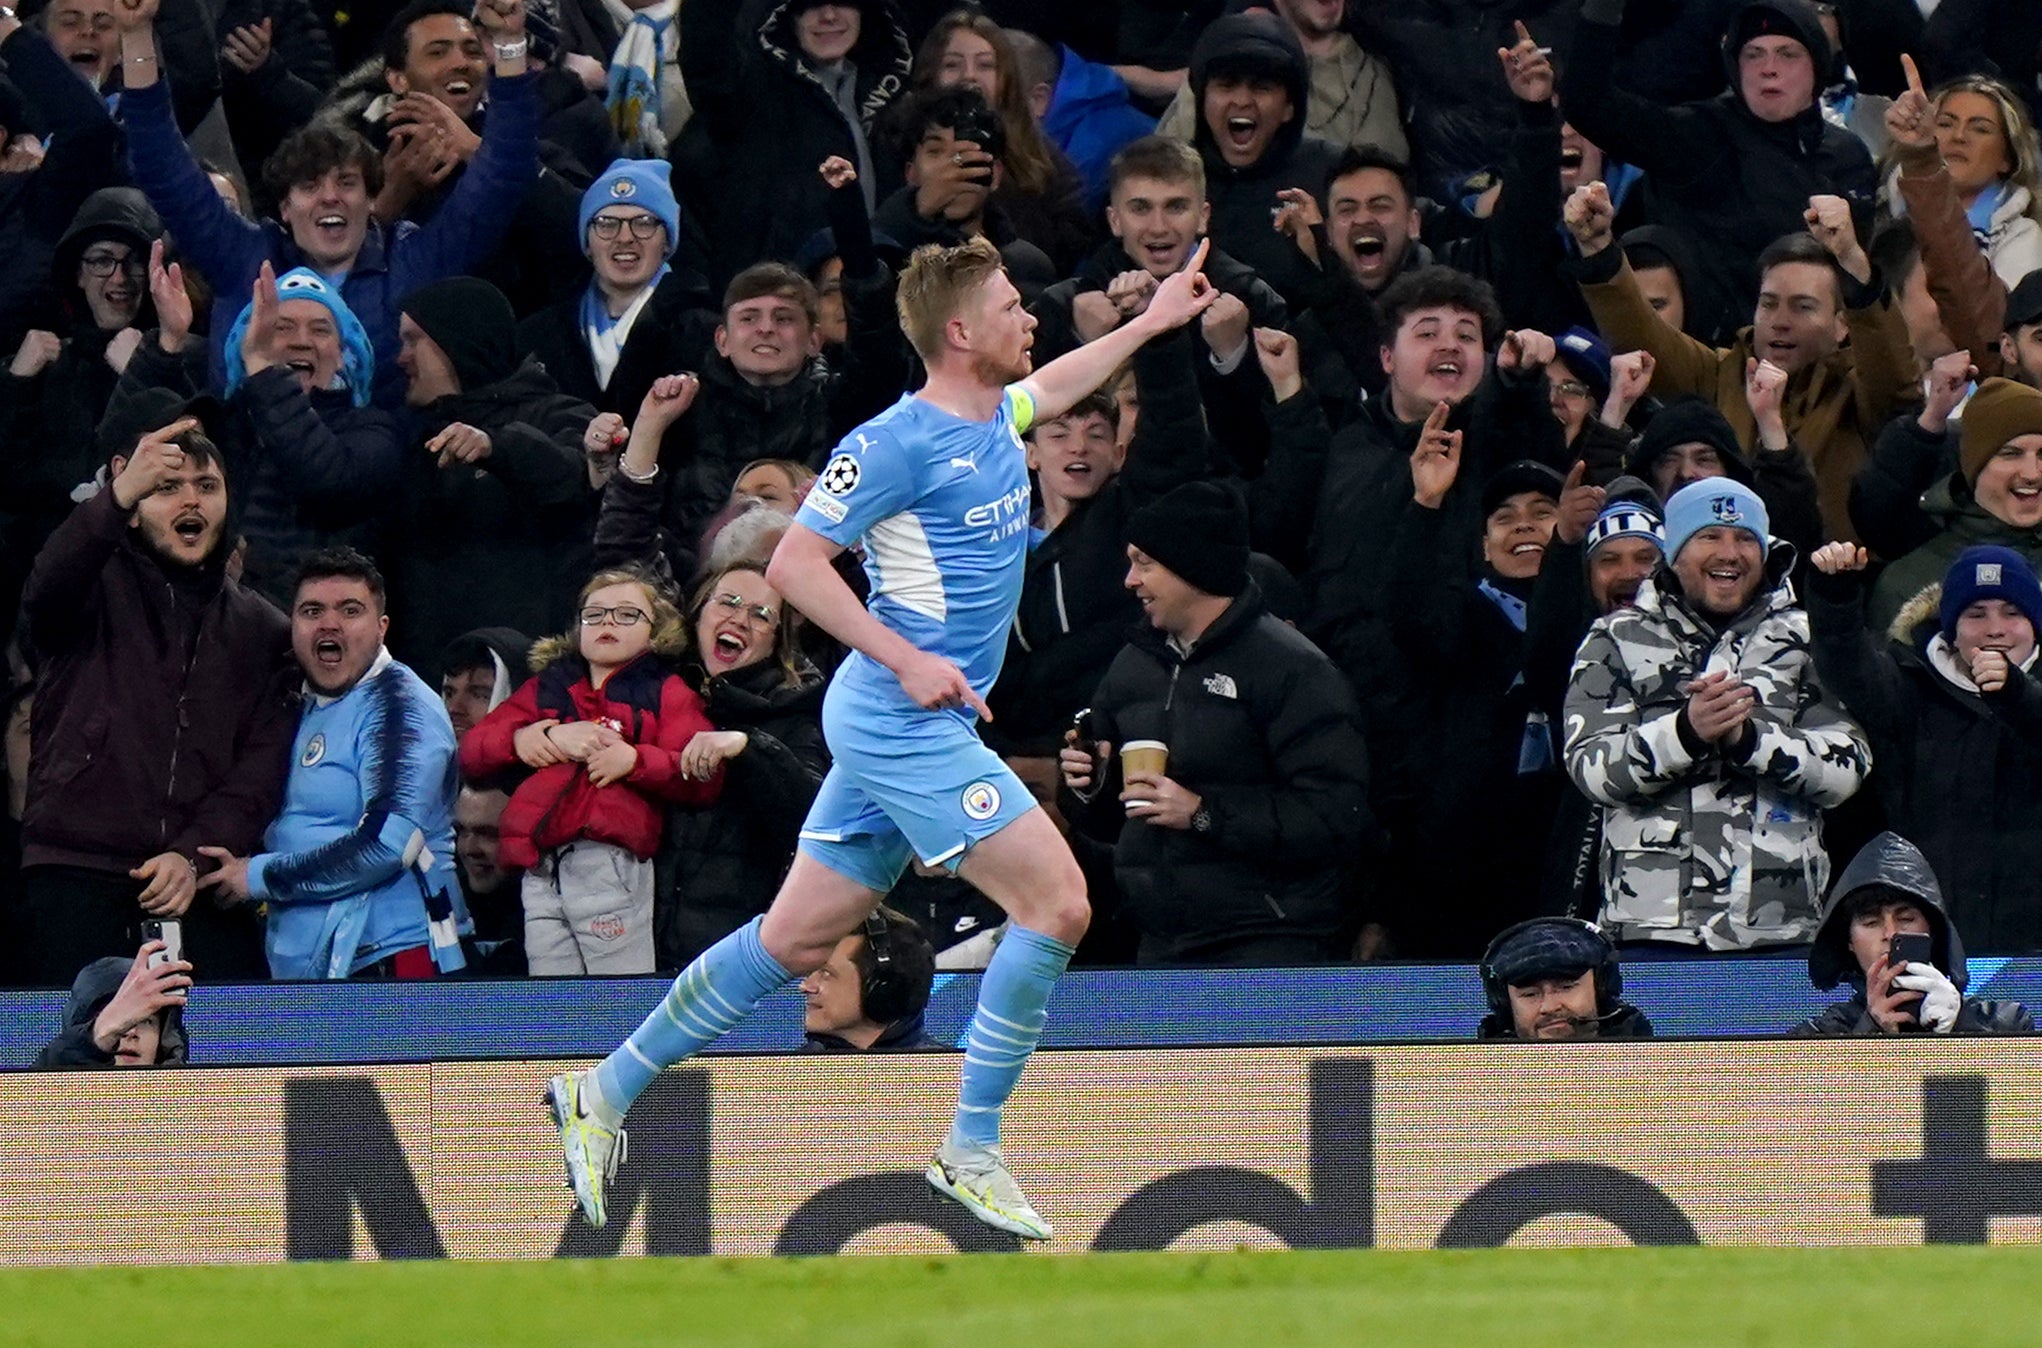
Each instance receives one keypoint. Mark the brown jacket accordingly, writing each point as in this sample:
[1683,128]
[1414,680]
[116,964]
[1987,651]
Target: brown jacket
[1970,298]
[1833,409]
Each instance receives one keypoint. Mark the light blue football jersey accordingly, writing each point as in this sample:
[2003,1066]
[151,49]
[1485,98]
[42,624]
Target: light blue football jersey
[941,505]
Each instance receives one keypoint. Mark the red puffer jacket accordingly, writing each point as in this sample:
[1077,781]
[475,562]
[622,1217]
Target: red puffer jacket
[644,702]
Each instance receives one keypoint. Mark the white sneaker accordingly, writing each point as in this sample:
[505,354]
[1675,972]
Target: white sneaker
[592,1151]
[978,1178]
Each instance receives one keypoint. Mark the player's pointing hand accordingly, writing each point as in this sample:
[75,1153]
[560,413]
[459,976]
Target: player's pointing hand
[1183,296]
[934,683]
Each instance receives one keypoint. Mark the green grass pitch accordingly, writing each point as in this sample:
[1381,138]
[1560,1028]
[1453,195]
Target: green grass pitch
[1939,1297]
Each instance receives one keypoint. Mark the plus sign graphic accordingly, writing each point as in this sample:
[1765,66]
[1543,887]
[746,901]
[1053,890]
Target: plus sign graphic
[1956,1185]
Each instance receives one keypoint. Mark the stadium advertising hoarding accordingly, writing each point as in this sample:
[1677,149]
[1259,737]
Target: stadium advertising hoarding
[1784,1142]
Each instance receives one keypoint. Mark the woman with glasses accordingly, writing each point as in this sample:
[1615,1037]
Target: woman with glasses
[719,865]
[603,728]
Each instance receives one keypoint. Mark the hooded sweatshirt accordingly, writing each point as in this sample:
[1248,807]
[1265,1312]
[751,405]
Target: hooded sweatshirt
[1242,198]
[94,987]
[47,419]
[1892,863]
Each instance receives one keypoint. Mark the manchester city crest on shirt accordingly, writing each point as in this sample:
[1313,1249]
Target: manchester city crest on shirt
[981,801]
[315,749]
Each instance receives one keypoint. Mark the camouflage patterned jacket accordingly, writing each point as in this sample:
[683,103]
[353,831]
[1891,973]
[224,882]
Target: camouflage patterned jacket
[1702,848]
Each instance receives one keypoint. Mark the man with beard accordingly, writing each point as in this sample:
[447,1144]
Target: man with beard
[1695,719]
[1554,979]
[162,718]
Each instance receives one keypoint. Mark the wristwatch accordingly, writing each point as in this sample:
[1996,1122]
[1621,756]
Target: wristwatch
[1201,820]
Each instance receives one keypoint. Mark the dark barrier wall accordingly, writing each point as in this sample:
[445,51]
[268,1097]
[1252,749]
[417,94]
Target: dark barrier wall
[1790,1142]
[267,1024]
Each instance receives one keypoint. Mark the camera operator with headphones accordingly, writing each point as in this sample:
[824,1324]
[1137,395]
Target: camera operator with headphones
[869,996]
[1556,978]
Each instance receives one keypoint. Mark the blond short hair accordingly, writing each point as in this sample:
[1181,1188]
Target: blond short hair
[937,284]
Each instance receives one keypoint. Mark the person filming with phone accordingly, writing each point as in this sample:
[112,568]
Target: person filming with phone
[1224,761]
[127,1012]
[1884,931]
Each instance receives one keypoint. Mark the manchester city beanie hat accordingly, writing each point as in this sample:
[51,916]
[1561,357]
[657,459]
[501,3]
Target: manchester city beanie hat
[1989,573]
[1712,502]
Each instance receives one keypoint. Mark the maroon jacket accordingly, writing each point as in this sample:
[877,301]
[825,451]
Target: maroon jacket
[140,746]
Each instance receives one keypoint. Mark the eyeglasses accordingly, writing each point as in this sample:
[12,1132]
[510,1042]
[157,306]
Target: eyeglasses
[620,617]
[760,614]
[1574,388]
[642,226]
[104,264]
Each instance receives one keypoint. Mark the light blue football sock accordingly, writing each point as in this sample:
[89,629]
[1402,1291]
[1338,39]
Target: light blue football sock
[1013,1002]
[708,1000]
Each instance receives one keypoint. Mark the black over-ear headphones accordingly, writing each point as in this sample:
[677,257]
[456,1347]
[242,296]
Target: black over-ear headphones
[882,990]
[1550,943]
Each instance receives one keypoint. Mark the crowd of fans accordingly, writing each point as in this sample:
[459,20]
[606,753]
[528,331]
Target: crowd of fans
[1609,486]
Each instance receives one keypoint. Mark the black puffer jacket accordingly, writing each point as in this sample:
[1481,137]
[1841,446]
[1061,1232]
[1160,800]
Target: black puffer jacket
[1958,771]
[500,543]
[94,987]
[1890,862]
[1730,182]
[1242,199]
[1261,725]
[764,122]
[718,866]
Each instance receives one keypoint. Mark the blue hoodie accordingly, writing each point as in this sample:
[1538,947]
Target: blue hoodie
[1090,118]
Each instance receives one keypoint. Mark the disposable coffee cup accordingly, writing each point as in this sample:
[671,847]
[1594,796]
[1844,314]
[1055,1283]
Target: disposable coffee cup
[1144,756]
[1149,757]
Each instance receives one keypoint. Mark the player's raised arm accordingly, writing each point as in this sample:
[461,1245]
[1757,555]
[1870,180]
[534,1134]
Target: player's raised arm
[1057,386]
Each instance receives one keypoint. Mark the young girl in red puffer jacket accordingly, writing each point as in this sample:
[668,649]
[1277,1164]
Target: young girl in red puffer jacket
[601,727]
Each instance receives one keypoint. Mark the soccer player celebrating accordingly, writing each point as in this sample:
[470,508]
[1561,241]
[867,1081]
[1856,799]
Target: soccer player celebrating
[937,488]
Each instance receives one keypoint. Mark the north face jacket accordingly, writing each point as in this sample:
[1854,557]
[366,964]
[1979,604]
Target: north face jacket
[1704,846]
